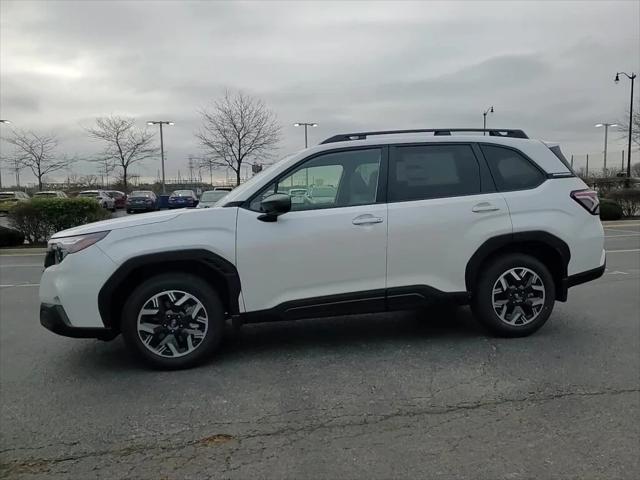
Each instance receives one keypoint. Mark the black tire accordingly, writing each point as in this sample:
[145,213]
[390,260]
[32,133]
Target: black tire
[482,302]
[190,284]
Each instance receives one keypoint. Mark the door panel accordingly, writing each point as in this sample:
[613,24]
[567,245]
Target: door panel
[310,253]
[431,241]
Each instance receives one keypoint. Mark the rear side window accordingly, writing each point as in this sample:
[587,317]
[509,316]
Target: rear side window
[510,169]
[420,172]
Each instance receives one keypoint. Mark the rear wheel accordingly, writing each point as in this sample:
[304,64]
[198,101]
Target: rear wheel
[514,295]
[173,321]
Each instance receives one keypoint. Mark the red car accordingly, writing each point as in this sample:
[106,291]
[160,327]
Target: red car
[120,198]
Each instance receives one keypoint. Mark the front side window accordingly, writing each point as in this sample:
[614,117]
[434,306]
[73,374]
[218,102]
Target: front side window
[338,179]
[419,172]
[510,170]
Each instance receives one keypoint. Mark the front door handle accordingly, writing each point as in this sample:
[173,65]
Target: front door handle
[367,219]
[484,207]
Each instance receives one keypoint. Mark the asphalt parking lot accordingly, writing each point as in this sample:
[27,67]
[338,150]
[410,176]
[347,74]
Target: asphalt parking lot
[407,395]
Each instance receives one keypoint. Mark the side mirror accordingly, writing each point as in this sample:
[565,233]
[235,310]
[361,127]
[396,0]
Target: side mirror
[273,206]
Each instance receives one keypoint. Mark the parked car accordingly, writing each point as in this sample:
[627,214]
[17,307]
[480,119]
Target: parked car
[101,197]
[223,189]
[182,199]
[298,195]
[9,199]
[500,222]
[211,197]
[142,201]
[50,194]
[120,198]
[320,195]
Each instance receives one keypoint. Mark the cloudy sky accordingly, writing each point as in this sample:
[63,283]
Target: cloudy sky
[547,67]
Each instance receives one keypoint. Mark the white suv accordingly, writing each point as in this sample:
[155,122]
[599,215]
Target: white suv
[499,222]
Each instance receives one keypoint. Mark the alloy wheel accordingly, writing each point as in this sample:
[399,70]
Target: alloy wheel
[518,296]
[172,323]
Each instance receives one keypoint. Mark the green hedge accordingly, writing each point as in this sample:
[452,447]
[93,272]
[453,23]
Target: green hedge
[610,210]
[628,199]
[40,218]
[10,237]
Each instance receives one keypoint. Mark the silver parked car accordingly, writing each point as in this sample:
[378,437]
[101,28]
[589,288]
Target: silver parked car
[102,197]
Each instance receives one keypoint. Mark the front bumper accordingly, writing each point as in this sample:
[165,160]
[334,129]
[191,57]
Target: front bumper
[54,318]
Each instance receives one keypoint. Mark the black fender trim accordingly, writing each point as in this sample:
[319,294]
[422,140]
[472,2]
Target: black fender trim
[531,237]
[218,266]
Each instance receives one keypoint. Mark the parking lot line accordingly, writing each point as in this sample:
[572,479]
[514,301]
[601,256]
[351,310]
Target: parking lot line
[21,285]
[623,235]
[21,266]
[624,251]
[21,255]
[620,230]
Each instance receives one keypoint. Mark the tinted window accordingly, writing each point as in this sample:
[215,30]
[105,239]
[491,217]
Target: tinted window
[338,179]
[432,171]
[511,170]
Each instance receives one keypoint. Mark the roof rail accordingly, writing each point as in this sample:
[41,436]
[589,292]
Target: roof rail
[493,132]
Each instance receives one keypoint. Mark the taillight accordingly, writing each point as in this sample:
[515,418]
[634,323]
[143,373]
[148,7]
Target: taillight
[588,199]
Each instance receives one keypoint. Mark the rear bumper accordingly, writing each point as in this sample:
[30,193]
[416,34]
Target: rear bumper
[578,279]
[584,277]
[54,318]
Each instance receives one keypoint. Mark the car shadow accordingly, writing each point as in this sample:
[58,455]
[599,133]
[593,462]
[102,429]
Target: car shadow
[427,326]
[424,326]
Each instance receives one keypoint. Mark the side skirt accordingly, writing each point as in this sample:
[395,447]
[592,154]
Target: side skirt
[371,301]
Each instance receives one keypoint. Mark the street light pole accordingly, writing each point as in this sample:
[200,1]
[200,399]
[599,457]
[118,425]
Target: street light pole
[305,125]
[161,123]
[484,119]
[606,130]
[1,122]
[631,77]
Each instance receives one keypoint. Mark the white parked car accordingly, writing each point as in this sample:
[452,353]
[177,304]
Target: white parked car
[499,222]
[211,197]
[50,194]
[103,198]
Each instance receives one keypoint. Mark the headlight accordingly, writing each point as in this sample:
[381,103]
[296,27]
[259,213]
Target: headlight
[65,245]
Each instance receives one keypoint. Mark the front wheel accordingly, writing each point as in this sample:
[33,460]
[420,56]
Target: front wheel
[173,321]
[514,295]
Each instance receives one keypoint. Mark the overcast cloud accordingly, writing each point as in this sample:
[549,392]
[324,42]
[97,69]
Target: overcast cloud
[547,67]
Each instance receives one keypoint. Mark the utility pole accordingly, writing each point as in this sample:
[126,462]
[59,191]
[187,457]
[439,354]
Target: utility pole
[606,130]
[161,123]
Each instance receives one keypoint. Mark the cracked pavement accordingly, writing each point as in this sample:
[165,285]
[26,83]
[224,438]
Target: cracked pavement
[404,395]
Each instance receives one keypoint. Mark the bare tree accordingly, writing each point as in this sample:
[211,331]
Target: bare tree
[238,128]
[37,152]
[623,127]
[124,143]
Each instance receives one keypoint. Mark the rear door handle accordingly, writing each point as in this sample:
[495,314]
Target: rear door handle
[484,207]
[366,219]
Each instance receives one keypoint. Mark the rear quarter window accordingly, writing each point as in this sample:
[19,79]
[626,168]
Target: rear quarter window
[511,170]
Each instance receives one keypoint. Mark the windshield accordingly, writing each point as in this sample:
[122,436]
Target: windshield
[141,194]
[45,194]
[182,193]
[213,196]
[89,194]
